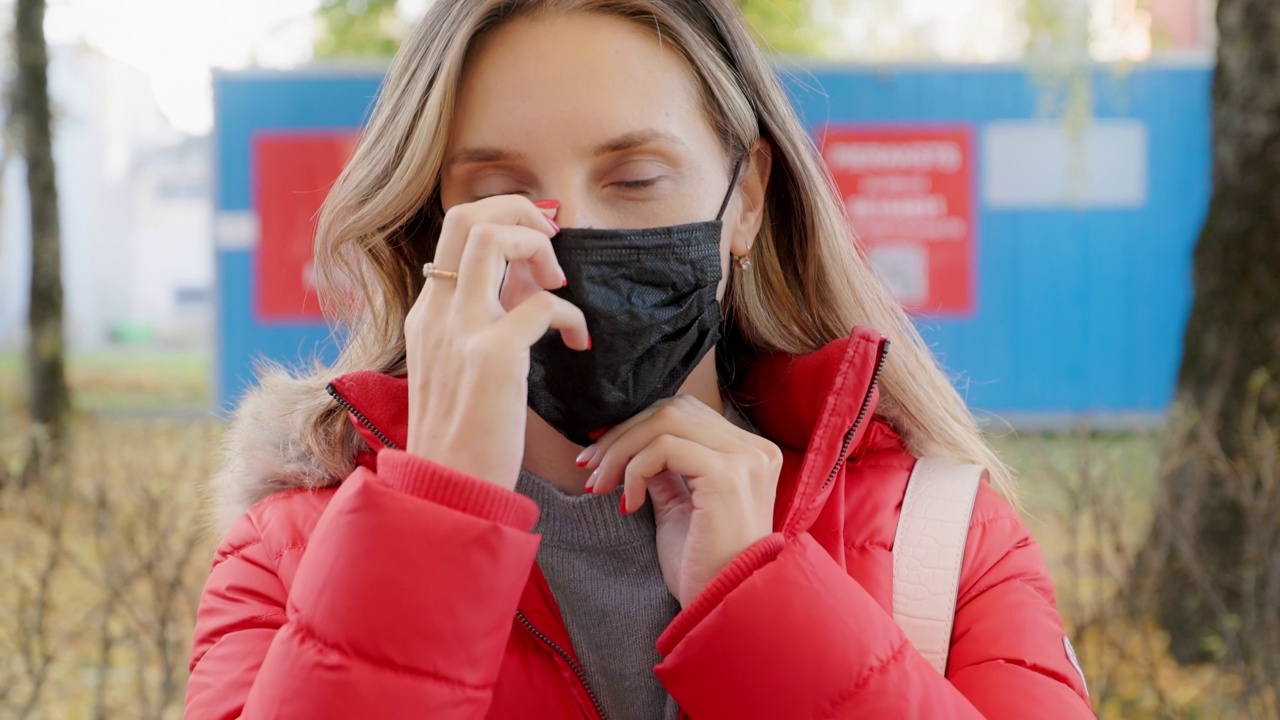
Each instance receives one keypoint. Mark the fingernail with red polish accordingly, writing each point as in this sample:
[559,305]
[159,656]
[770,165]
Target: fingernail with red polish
[593,479]
[589,347]
[622,506]
[584,457]
[595,434]
[549,208]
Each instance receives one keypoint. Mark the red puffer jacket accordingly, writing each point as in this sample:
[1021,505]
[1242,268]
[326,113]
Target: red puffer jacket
[411,591]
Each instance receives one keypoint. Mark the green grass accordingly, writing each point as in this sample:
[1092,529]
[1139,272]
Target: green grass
[1049,468]
[121,380]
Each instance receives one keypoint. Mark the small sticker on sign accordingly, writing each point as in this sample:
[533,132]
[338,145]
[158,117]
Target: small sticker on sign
[1075,662]
[904,267]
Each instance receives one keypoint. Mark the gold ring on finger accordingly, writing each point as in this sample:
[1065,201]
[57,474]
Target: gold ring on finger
[430,271]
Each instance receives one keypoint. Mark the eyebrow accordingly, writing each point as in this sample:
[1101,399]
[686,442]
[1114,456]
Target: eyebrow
[633,140]
[483,155]
[622,143]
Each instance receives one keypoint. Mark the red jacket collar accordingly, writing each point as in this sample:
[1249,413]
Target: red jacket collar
[818,404]
[378,406]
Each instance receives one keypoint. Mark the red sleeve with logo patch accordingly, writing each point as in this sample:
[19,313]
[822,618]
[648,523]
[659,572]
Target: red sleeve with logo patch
[785,632]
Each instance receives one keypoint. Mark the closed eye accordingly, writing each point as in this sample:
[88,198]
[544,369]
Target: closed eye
[638,184]
[524,193]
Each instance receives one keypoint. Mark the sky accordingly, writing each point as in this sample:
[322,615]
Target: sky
[178,43]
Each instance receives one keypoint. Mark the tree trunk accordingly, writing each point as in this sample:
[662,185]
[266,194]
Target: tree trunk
[1216,544]
[49,396]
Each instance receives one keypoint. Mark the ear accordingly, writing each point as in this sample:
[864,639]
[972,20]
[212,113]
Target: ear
[752,187]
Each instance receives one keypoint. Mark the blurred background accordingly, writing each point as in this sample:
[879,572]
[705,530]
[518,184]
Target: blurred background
[132,85]
[1039,181]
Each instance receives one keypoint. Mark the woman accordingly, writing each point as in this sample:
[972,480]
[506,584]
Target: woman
[631,468]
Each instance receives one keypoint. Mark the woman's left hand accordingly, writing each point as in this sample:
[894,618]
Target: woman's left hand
[723,505]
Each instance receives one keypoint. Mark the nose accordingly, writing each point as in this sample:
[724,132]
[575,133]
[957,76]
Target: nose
[570,213]
[574,210]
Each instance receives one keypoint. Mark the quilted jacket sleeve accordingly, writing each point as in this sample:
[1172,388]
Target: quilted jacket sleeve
[401,605]
[783,631]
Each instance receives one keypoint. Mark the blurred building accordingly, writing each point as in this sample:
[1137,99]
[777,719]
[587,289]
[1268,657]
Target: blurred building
[135,211]
[1182,24]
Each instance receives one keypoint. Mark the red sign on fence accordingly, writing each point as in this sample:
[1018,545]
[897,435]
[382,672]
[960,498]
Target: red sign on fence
[292,174]
[908,190]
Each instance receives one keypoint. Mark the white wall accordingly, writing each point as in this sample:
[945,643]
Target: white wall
[134,205]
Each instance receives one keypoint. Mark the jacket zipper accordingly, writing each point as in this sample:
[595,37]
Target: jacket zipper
[333,392]
[573,664]
[881,356]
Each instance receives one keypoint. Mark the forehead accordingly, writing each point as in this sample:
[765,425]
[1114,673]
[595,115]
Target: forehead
[575,80]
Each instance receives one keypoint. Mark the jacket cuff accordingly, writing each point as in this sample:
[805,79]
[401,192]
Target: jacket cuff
[763,552]
[432,481]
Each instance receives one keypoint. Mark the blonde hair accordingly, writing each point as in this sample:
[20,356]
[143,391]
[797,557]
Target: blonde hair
[808,286]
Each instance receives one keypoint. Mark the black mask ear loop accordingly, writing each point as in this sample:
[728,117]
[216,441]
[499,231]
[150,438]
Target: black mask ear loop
[725,361]
[733,184]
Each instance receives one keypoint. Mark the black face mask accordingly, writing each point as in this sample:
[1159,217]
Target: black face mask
[649,297]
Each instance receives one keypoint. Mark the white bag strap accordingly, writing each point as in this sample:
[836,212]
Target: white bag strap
[928,553]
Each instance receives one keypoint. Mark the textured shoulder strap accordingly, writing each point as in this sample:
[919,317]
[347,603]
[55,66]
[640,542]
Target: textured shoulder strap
[928,553]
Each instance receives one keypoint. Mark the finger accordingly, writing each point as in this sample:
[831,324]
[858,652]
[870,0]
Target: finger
[666,453]
[490,248]
[497,210]
[682,415]
[432,300]
[667,489]
[517,286]
[518,283]
[530,320]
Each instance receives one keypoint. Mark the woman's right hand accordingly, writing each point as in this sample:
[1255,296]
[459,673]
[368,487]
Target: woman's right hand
[467,354]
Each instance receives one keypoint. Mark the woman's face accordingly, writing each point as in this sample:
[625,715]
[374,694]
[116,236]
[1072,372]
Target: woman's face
[596,113]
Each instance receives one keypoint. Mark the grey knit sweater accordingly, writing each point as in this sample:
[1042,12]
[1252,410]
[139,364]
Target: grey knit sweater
[603,571]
